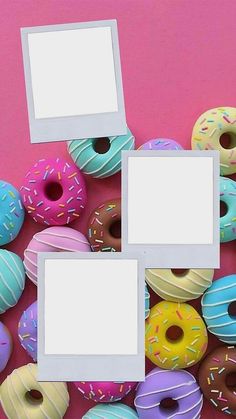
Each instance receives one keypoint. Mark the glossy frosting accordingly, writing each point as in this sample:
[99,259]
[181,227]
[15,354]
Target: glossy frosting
[5,346]
[12,213]
[111,411]
[161,144]
[27,330]
[12,279]
[228,221]
[104,392]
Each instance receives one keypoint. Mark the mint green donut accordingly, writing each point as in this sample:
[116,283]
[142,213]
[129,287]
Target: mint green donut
[12,279]
[228,221]
[100,165]
[111,411]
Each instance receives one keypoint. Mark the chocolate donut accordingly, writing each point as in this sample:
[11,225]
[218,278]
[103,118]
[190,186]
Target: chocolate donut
[104,227]
[216,375]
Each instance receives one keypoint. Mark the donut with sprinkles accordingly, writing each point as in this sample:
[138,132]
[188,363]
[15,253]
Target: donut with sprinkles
[27,330]
[228,219]
[104,392]
[12,213]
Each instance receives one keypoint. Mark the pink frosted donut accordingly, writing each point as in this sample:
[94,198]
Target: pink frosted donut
[27,330]
[104,392]
[5,346]
[54,192]
[52,239]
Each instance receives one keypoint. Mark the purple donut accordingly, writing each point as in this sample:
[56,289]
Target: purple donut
[162,385]
[161,144]
[27,330]
[5,346]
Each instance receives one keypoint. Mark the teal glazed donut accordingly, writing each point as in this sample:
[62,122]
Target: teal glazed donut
[147,302]
[215,309]
[228,221]
[12,279]
[11,213]
[111,411]
[100,165]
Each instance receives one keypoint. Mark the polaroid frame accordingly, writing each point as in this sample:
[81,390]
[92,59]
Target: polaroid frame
[174,255]
[67,367]
[80,126]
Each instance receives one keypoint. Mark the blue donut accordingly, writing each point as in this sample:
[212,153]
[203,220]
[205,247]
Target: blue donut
[111,411]
[11,213]
[215,305]
[99,165]
[228,221]
[147,302]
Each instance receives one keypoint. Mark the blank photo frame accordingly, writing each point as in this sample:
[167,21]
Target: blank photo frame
[73,81]
[91,310]
[170,207]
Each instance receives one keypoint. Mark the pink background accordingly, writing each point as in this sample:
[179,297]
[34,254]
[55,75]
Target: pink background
[178,60]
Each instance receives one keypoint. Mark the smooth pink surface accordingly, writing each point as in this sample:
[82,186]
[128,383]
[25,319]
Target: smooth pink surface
[104,391]
[178,60]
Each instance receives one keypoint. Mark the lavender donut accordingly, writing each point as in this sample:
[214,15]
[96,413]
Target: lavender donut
[5,346]
[162,385]
[161,144]
[27,330]
[52,239]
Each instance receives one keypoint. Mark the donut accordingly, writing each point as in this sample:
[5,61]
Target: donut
[171,286]
[215,309]
[160,386]
[5,346]
[111,411]
[53,192]
[23,397]
[228,220]
[161,144]
[12,279]
[100,157]
[27,330]
[147,302]
[52,239]
[207,133]
[104,392]
[12,213]
[176,336]
[104,227]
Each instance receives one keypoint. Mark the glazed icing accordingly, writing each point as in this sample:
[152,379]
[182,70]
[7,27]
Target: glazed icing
[228,221]
[104,392]
[161,144]
[27,330]
[12,213]
[5,346]
[111,411]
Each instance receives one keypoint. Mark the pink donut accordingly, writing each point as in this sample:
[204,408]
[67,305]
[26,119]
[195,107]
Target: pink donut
[104,392]
[52,239]
[54,192]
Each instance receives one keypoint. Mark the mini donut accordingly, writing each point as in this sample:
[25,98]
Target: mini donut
[5,346]
[147,302]
[104,392]
[215,309]
[103,164]
[27,330]
[162,385]
[161,144]
[214,379]
[176,336]
[228,220]
[104,227]
[207,132]
[19,400]
[172,287]
[52,239]
[12,279]
[12,213]
[111,411]
[54,192]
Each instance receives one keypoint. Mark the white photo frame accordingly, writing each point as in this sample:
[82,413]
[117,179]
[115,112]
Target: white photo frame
[73,81]
[91,316]
[170,207]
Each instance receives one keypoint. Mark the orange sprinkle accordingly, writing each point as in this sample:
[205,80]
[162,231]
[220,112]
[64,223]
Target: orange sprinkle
[31,208]
[179,315]
[76,215]
[59,175]
[61,214]
[73,174]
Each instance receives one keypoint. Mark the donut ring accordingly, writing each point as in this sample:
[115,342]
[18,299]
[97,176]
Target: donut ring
[171,287]
[168,352]
[228,221]
[161,144]
[27,330]
[104,227]
[12,213]
[5,346]
[208,129]
[104,164]
[53,192]
[213,374]
[215,309]
[104,391]
[111,411]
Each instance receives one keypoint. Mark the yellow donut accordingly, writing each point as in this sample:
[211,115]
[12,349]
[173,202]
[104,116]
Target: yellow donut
[207,131]
[174,352]
[172,287]
[18,403]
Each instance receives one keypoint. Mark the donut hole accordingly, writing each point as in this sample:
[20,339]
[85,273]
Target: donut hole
[168,405]
[228,140]
[53,191]
[232,309]
[180,272]
[230,380]
[34,397]
[174,334]
[223,208]
[115,229]
[102,145]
